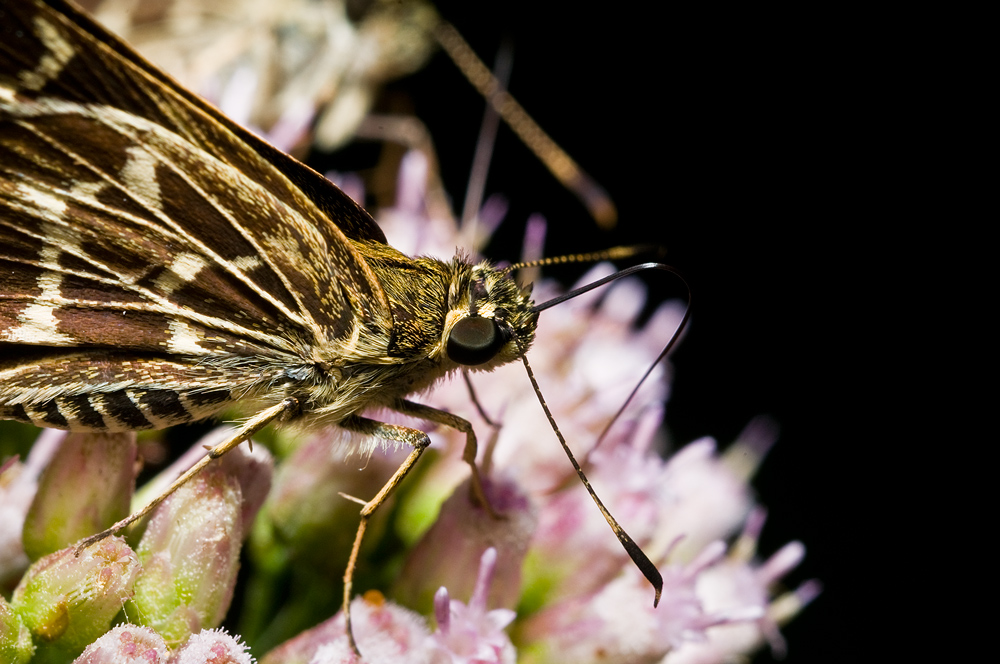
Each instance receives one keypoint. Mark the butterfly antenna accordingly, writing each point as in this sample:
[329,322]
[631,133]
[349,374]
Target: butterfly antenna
[627,272]
[560,164]
[640,559]
[615,253]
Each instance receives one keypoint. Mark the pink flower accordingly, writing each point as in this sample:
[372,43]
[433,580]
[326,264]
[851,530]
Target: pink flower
[18,485]
[385,633]
[126,644]
[469,633]
[740,586]
[212,646]
[561,586]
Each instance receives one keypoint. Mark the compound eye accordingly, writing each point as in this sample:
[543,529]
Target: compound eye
[475,340]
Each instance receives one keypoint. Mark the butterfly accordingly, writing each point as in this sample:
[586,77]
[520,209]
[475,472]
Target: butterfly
[158,264]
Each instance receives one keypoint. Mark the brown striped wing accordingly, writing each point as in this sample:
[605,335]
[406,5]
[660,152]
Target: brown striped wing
[149,249]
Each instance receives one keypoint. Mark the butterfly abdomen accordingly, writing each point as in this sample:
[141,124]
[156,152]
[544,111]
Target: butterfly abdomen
[117,410]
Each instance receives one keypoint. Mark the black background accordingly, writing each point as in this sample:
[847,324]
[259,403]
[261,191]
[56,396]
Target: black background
[729,138]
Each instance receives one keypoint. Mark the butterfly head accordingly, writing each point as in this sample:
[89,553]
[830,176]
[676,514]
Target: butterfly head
[490,321]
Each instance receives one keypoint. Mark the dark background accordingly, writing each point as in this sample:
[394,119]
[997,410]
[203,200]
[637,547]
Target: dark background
[732,140]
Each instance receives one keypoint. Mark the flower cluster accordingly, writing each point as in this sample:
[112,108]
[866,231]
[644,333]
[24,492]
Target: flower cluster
[544,576]
[546,581]
[303,72]
[156,601]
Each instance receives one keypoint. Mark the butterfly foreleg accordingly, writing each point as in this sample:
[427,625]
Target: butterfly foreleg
[413,437]
[250,427]
[419,441]
[468,453]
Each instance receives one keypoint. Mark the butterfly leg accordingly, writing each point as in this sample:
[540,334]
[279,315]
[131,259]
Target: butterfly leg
[251,427]
[471,446]
[413,437]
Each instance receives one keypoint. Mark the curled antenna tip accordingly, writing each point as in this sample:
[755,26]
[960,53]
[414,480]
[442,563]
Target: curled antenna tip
[641,561]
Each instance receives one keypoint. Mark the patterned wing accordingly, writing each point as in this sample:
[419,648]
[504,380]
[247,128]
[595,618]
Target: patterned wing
[148,244]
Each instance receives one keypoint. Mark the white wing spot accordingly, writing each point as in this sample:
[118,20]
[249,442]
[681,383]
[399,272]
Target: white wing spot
[183,339]
[52,63]
[247,263]
[53,206]
[184,268]
[88,189]
[38,321]
[58,241]
[139,176]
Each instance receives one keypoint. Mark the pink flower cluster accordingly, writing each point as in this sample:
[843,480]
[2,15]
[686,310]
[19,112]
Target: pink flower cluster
[547,581]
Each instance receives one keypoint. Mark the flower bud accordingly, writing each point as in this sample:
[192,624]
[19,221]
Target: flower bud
[15,638]
[190,556]
[85,488]
[449,553]
[251,467]
[305,518]
[69,600]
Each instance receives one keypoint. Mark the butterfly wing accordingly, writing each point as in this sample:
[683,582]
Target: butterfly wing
[139,226]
